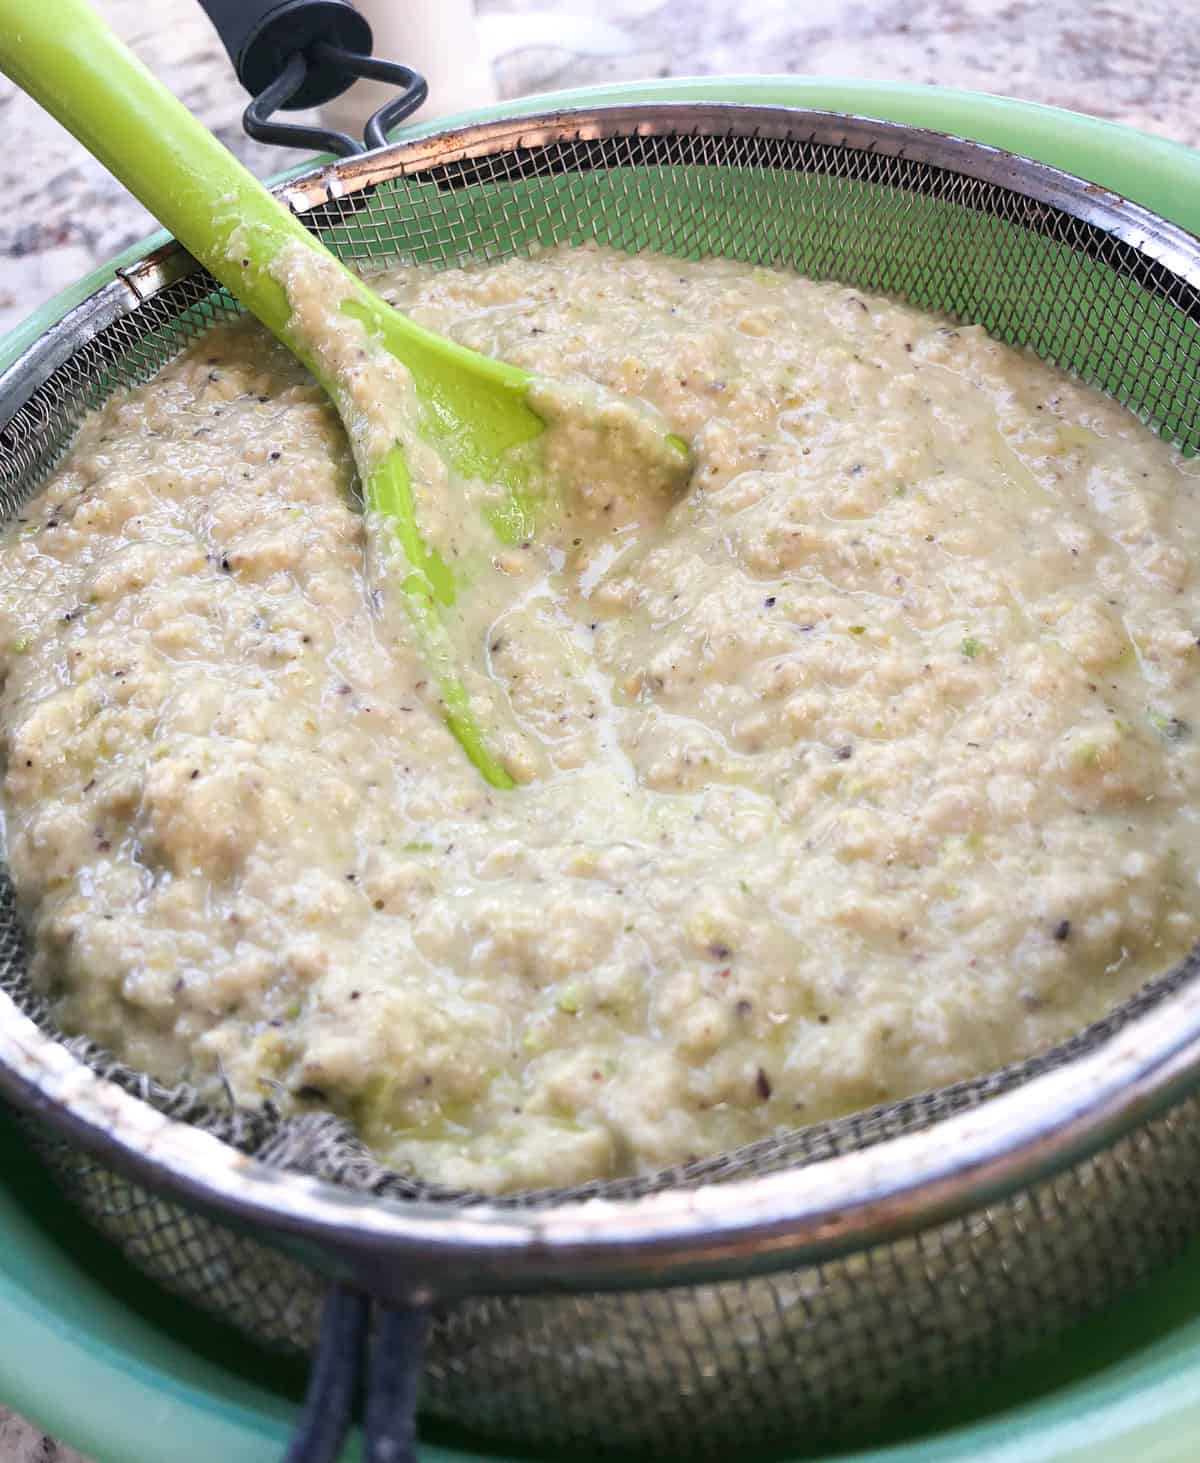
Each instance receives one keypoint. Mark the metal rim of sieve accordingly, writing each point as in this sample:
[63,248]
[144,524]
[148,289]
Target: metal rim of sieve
[809,1214]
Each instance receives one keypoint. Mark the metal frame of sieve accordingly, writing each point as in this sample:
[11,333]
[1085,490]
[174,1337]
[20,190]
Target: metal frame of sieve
[805,1283]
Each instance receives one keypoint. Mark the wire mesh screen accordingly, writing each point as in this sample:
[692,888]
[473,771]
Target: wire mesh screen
[716,1368]
[718,1371]
[1031,274]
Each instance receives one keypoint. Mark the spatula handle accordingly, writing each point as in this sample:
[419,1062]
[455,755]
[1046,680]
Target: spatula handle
[65,56]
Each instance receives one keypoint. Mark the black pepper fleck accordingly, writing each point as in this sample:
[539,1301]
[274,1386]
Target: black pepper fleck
[1062,930]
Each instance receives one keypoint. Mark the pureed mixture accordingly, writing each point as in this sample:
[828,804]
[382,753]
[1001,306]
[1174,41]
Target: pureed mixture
[866,766]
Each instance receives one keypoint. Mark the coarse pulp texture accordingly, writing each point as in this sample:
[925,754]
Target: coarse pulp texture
[866,766]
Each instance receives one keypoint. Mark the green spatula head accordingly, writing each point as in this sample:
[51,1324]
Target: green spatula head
[484,417]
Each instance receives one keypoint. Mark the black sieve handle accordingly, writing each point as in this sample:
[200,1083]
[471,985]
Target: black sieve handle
[393,1376]
[295,54]
[383,1361]
[334,1379]
[262,36]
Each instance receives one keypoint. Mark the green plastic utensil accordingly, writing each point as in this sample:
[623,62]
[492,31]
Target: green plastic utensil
[473,409]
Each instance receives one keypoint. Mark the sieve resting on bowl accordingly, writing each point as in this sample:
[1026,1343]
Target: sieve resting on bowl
[798,1287]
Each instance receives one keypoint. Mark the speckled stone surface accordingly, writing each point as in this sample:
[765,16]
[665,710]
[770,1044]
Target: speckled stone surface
[1131,62]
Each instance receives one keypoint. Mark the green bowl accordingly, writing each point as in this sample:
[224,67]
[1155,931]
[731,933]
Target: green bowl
[110,1364]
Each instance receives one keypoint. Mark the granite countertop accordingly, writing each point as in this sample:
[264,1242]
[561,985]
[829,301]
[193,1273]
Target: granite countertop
[1130,62]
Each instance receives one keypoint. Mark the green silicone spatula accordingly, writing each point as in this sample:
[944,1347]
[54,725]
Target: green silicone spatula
[474,410]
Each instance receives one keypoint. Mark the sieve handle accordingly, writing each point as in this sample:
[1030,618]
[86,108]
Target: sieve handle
[383,1361]
[262,36]
[334,1379]
[294,54]
[393,1377]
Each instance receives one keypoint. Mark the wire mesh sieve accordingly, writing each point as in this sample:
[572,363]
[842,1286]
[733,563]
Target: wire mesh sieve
[800,1286]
